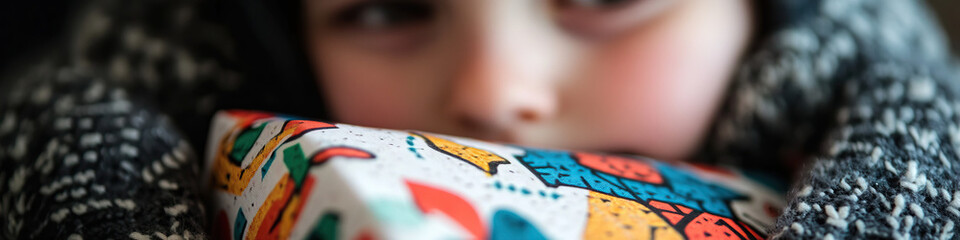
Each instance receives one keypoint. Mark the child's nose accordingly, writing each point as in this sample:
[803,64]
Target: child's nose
[508,69]
[489,100]
[498,89]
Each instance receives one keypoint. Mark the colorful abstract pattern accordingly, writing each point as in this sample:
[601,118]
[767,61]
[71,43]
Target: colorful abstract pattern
[276,177]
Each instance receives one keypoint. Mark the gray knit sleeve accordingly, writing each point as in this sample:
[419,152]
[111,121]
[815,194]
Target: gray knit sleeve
[890,167]
[861,102]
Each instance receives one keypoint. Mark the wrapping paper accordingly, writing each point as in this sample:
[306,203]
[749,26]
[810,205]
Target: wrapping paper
[278,177]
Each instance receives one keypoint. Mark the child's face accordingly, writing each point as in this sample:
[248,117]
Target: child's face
[643,76]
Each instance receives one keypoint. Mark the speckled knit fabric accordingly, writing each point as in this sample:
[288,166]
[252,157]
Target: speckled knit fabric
[861,93]
[82,160]
[89,148]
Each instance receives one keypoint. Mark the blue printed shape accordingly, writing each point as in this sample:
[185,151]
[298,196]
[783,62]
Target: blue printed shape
[266,166]
[560,168]
[557,168]
[508,225]
[712,197]
[239,225]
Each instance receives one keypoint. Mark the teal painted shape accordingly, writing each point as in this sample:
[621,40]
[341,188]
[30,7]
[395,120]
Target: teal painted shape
[525,191]
[326,227]
[266,166]
[411,148]
[509,225]
[244,142]
[396,212]
[296,163]
[555,196]
[239,225]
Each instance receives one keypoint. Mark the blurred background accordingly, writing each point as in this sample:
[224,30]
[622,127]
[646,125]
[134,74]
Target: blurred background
[948,11]
[29,26]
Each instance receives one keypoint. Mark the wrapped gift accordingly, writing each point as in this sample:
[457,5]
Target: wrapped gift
[280,177]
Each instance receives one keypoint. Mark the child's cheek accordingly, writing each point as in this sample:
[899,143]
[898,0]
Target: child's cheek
[368,90]
[656,90]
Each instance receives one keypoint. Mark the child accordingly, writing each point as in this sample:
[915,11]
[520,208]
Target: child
[595,75]
[860,90]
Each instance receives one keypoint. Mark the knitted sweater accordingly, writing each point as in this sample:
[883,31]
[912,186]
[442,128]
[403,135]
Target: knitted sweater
[864,94]
[857,96]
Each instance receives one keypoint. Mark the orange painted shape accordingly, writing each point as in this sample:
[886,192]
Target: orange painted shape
[328,153]
[683,209]
[673,217]
[430,199]
[480,158]
[709,226]
[291,211]
[271,210]
[282,209]
[300,126]
[612,217]
[662,206]
[620,166]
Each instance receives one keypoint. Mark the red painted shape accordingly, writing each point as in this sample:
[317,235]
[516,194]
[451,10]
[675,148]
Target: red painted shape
[301,126]
[246,118]
[430,199]
[715,170]
[662,206]
[673,217]
[684,209]
[304,194]
[365,235]
[221,229]
[620,166]
[328,153]
[704,225]
[709,226]
[273,214]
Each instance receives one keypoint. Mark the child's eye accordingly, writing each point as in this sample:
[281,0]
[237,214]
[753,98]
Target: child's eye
[599,19]
[592,3]
[384,25]
[383,15]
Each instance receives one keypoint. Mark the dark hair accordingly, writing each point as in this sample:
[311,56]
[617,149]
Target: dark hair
[271,55]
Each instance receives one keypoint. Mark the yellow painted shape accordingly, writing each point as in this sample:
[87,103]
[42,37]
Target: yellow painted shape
[232,178]
[618,218]
[276,196]
[289,217]
[483,159]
